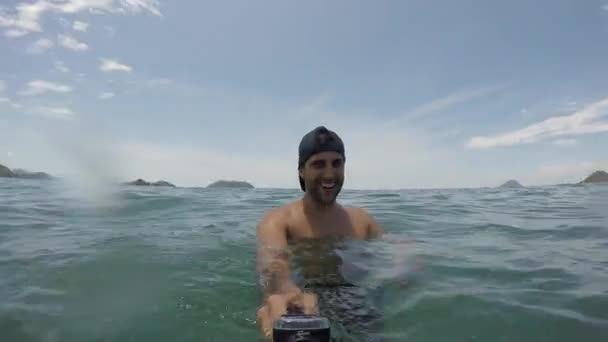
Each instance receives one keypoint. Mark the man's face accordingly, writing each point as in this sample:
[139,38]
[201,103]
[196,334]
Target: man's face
[323,175]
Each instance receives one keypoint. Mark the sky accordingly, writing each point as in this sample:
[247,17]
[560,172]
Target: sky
[424,94]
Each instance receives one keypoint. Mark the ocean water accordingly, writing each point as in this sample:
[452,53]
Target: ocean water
[160,264]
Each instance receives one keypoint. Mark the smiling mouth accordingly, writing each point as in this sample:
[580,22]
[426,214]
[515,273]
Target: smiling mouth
[328,185]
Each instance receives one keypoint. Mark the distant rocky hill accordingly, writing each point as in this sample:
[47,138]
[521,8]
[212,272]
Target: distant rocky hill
[512,184]
[596,177]
[20,173]
[141,182]
[5,171]
[230,184]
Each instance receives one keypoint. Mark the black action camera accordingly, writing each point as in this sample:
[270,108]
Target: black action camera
[301,328]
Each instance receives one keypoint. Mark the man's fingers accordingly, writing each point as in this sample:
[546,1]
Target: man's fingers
[309,303]
[273,308]
[265,321]
[277,305]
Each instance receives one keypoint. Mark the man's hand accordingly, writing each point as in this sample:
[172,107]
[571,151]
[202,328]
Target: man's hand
[277,305]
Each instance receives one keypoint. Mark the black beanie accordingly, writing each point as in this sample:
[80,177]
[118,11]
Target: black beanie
[318,140]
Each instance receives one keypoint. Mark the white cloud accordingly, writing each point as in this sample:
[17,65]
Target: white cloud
[55,112]
[565,142]
[445,103]
[106,95]
[10,154]
[605,7]
[26,17]
[60,66]
[80,26]
[99,6]
[6,100]
[39,87]
[108,65]
[72,44]
[63,22]
[137,6]
[40,46]
[75,6]
[14,33]
[5,21]
[581,122]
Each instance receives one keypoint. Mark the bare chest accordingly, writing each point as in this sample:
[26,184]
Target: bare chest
[346,226]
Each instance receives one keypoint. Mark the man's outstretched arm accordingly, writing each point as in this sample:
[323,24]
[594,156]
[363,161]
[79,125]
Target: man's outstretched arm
[279,291]
[272,256]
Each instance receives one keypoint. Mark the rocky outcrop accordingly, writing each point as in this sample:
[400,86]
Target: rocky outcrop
[163,183]
[596,177]
[230,184]
[20,173]
[141,182]
[512,184]
[5,171]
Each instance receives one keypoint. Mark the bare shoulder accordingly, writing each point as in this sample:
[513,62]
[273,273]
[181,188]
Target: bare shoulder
[275,219]
[363,216]
[358,213]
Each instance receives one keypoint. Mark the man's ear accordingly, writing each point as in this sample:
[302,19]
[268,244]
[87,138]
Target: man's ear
[301,179]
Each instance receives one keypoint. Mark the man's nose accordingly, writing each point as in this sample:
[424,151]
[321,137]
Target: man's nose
[329,173]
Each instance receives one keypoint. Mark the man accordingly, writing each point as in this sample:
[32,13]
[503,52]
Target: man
[316,216]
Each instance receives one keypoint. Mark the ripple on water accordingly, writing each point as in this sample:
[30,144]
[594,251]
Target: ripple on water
[179,264]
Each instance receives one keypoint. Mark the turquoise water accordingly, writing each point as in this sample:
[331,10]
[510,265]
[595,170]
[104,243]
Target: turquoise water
[134,264]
